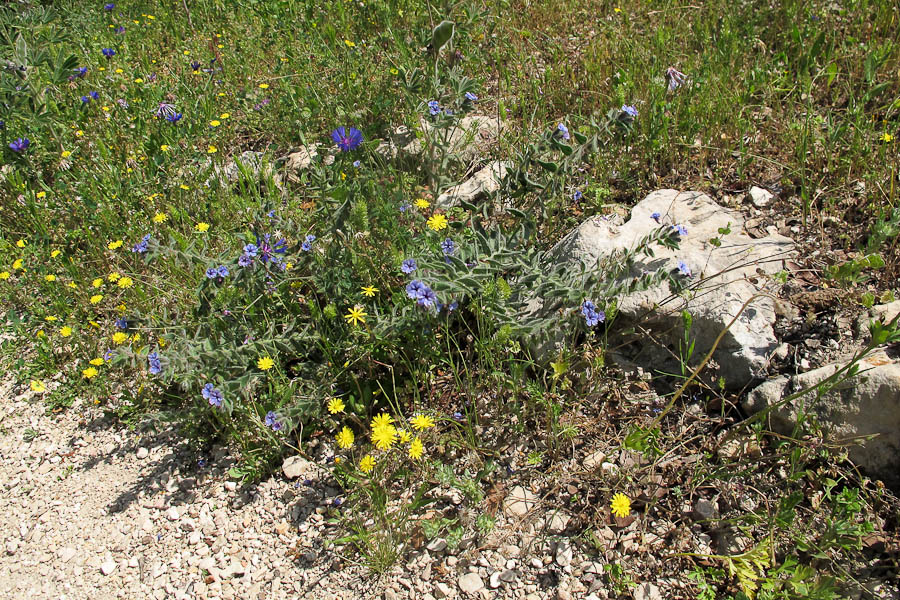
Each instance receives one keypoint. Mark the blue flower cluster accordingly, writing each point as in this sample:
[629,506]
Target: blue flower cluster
[155,364]
[213,395]
[141,246]
[217,272]
[266,250]
[563,132]
[94,95]
[448,247]
[347,139]
[409,265]
[306,246]
[273,422]
[592,316]
[121,323]
[421,293]
[19,145]
[108,52]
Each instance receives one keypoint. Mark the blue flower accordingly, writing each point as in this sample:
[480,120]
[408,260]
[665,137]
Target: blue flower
[563,131]
[681,229]
[80,72]
[272,421]
[415,289]
[251,250]
[347,140]
[306,246]
[108,52]
[121,323]
[356,164]
[95,95]
[592,316]
[433,107]
[409,265]
[577,195]
[195,66]
[155,364]
[164,110]
[471,97]
[212,273]
[675,78]
[245,260]
[404,207]
[174,117]
[85,99]
[120,29]
[141,246]
[212,394]
[222,271]
[19,145]
[268,249]
[630,110]
[655,216]
[452,306]
[448,247]
[684,269]
[109,7]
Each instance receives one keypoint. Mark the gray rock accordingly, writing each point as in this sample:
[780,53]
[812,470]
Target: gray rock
[705,510]
[471,583]
[723,279]
[172,514]
[557,522]
[12,546]
[508,575]
[252,163]
[759,197]
[564,554]
[494,581]
[442,590]
[520,502]
[647,591]
[866,405]
[301,159]
[481,185]
[142,453]
[295,466]
[437,545]
[594,460]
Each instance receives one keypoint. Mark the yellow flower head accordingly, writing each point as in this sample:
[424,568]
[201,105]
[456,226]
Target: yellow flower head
[416,449]
[184,187]
[345,438]
[437,222]
[40,195]
[37,386]
[55,253]
[369,291]
[72,285]
[89,373]
[381,420]
[113,277]
[264,86]
[160,217]
[335,406]
[65,154]
[17,264]
[214,123]
[96,298]
[404,436]
[224,115]
[50,318]
[356,315]
[620,505]
[886,137]
[119,337]
[384,437]
[202,227]
[50,277]
[265,363]
[97,362]
[422,422]
[422,203]
[97,282]
[114,245]
[164,147]
[40,333]
[125,282]
[4,275]
[20,244]
[211,149]
[367,464]
[65,331]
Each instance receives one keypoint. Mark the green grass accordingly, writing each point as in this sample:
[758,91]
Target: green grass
[801,97]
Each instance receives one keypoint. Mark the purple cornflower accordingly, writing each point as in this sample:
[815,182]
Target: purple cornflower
[684,269]
[675,78]
[155,364]
[272,421]
[577,195]
[347,140]
[563,131]
[174,118]
[681,229]
[109,7]
[121,323]
[195,66]
[409,265]
[85,99]
[212,394]
[448,247]
[251,250]
[245,260]
[94,95]
[120,29]
[433,107]
[268,249]
[655,216]
[471,97]
[108,52]
[19,145]
[141,246]
[164,110]
[80,72]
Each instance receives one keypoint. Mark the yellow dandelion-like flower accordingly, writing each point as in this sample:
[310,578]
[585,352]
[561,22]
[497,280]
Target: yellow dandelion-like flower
[437,222]
[184,187]
[404,436]
[97,282]
[345,438]
[212,149]
[356,315]
[65,331]
[89,373]
[381,420]
[160,217]
[369,291]
[113,277]
[40,333]
[119,337]
[96,298]
[17,264]
[349,44]
[202,227]
[416,449]
[40,195]
[335,406]
[72,285]
[114,245]
[422,203]
[50,318]
[886,137]
[20,244]
[50,277]
[214,123]
[121,308]
[65,154]
[265,363]
[97,361]
[125,282]
[79,133]
[164,147]
[136,337]
[384,437]
[94,324]
[367,464]
[264,86]
[55,253]
[422,422]
[4,275]
[620,505]
[37,386]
